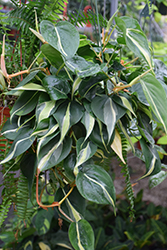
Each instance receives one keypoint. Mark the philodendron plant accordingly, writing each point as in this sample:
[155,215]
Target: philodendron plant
[82,104]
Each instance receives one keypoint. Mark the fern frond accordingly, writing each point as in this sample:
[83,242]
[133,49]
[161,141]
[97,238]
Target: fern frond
[22,197]
[4,209]
[82,19]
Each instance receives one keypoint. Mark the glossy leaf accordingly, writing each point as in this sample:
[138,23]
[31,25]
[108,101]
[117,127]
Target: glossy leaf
[27,87]
[67,115]
[52,55]
[127,104]
[88,121]
[85,150]
[25,103]
[69,164]
[135,38]
[81,235]
[44,110]
[82,67]
[73,205]
[53,153]
[12,129]
[96,179]
[22,142]
[56,87]
[152,160]
[156,97]
[105,110]
[64,37]
[87,84]
[156,179]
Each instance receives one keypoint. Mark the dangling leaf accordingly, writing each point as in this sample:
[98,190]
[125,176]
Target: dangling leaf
[117,146]
[156,97]
[85,150]
[152,160]
[88,121]
[96,179]
[64,37]
[44,110]
[104,109]
[81,235]
[67,115]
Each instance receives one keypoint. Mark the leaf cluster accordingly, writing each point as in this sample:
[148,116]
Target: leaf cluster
[82,102]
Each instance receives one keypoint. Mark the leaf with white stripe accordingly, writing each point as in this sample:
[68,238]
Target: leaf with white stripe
[127,104]
[81,235]
[44,110]
[27,87]
[96,185]
[156,97]
[25,104]
[12,128]
[63,36]
[22,142]
[135,38]
[152,160]
[88,121]
[73,206]
[105,110]
[53,153]
[68,114]
[85,150]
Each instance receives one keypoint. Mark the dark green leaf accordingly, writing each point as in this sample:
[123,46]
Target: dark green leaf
[42,219]
[22,142]
[64,37]
[56,87]
[81,235]
[52,55]
[96,179]
[25,103]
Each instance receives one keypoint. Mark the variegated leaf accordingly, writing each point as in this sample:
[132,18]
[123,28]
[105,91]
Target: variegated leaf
[95,178]
[81,235]
[67,115]
[105,110]
[63,36]
[44,110]
[156,97]
[127,104]
[85,150]
[152,160]
[28,87]
[51,154]
[25,104]
[88,121]
[22,142]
